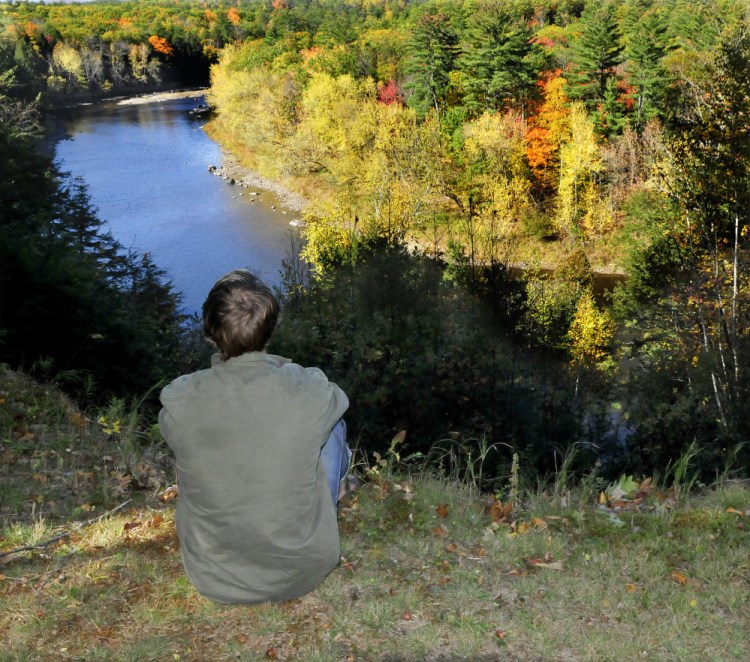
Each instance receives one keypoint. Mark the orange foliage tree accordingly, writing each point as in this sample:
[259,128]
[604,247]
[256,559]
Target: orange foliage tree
[233,15]
[160,45]
[547,130]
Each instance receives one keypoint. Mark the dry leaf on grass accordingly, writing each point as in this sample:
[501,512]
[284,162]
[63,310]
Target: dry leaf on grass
[741,513]
[169,494]
[548,565]
[679,577]
[498,512]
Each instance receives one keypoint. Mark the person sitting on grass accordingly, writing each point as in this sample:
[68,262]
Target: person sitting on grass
[261,451]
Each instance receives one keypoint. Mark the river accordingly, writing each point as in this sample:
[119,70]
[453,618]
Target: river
[147,169]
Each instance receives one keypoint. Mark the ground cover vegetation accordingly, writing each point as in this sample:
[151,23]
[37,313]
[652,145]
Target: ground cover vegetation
[431,567]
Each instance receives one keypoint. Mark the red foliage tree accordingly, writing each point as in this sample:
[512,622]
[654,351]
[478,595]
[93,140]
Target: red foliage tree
[389,93]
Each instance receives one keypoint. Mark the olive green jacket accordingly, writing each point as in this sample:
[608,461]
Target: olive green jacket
[255,518]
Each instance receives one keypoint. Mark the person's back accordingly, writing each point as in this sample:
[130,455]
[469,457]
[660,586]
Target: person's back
[255,516]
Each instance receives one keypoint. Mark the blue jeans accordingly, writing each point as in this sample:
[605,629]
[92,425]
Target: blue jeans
[335,456]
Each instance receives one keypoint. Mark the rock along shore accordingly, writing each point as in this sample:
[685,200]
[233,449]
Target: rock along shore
[238,175]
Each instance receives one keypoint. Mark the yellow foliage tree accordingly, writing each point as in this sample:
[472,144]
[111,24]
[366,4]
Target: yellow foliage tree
[580,161]
[68,62]
[337,126]
[329,234]
[497,177]
[590,333]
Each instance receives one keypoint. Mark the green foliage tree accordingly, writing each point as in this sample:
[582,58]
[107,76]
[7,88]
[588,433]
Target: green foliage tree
[644,64]
[432,55]
[414,352]
[595,53]
[69,294]
[500,62]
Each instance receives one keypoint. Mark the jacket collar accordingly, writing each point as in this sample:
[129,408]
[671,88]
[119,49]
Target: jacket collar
[249,358]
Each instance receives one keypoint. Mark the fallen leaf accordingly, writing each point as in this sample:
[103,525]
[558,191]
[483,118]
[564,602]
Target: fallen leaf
[538,563]
[499,512]
[440,531]
[452,548]
[398,439]
[501,634]
[630,588]
[77,419]
[407,616]
[741,513]
[517,572]
[271,653]
[679,577]
[40,478]
[121,483]
[522,527]
[538,523]
[129,526]
[442,510]
[625,487]
[645,488]
[241,639]
[169,494]
[156,521]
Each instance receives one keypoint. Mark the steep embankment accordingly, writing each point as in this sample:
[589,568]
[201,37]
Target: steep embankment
[90,565]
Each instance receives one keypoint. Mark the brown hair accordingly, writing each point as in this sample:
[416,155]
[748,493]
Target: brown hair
[240,313]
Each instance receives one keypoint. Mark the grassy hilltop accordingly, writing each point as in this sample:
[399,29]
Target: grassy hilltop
[431,569]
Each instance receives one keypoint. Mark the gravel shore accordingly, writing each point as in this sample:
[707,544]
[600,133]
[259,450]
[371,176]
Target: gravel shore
[241,176]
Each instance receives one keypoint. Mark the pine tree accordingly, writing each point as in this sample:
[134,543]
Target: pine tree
[595,54]
[646,47]
[499,63]
[432,55]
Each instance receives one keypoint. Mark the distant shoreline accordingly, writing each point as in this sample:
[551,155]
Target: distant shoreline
[157,97]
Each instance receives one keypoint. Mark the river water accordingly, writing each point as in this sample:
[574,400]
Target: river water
[146,166]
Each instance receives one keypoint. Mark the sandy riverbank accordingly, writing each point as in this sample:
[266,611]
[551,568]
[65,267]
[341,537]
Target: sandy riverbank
[157,97]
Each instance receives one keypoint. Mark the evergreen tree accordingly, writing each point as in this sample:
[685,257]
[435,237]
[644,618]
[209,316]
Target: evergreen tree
[499,63]
[646,47]
[68,292]
[432,55]
[595,54]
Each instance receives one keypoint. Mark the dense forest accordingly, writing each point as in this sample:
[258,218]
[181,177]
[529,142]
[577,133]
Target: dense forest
[474,167]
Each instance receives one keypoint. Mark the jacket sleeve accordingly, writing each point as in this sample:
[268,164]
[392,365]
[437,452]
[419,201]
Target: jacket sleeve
[329,401]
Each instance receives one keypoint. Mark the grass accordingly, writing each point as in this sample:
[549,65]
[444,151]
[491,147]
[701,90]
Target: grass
[425,573]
